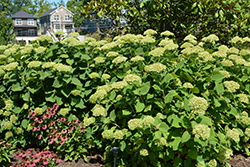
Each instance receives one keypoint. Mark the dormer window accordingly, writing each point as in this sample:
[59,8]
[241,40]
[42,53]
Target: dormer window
[56,17]
[30,21]
[67,17]
[18,21]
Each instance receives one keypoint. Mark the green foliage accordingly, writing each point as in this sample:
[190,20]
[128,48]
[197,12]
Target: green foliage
[226,18]
[161,103]
[6,28]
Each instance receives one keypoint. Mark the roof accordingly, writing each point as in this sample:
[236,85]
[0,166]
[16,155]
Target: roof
[22,14]
[48,12]
[51,11]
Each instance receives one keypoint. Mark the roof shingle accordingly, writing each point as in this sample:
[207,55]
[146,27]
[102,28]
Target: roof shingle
[23,14]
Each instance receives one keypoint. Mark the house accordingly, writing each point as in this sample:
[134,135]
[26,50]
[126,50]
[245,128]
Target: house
[25,26]
[55,19]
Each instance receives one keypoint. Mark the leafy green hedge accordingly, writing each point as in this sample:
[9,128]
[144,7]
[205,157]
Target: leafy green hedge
[160,102]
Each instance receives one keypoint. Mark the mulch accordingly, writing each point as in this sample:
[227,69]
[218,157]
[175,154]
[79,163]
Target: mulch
[238,160]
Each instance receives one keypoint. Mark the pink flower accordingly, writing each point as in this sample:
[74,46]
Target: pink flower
[69,129]
[36,159]
[31,111]
[62,142]
[64,131]
[45,162]
[50,141]
[44,127]
[33,123]
[58,160]
[61,137]
[40,121]
[36,119]
[65,138]
[34,114]
[58,120]
[38,128]
[52,123]
[52,113]
[63,119]
[48,109]
[54,106]
[39,137]
[31,117]
[34,129]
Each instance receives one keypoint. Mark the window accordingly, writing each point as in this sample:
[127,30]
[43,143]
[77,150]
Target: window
[67,17]
[56,17]
[30,21]
[68,26]
[31,32]
[19,32]
[57,26]
[18,21]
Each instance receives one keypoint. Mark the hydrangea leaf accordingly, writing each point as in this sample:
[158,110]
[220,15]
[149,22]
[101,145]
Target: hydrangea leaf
[16,87]
[70,61]
[170,95]
[192,153]
[145,89]
[57,83]
[2,88]
[219,88]
[176,143]
[126,112]
[139,107]
[76,81]
[185,137]
[122,145]
[24,123]
[80,104]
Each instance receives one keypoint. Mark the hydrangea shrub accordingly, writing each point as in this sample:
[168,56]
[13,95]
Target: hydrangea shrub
[161,102]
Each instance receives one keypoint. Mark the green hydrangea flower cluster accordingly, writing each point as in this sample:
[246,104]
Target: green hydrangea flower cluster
[233,50]
[243,98]
[157,67]
[98,110]
[34,64]
[105,76]
[59,32]
[11,66]
[8,104]
[198,104]
[144,152]
[188,85]
[119,59]
[8,134]
[162,141]
[88,121]
[119,85]
[64,111]
[99,59]
[211,38]
[38,110]
[147,40]
[94,75]
[227,63]
[225,73]
[167,33]
[200,164]
[40,49]
[112,54]
[157,52]
[148,120]
[212,163]
[8,125]
[18,130]
[27,50]
[108,134]
[13,118]
[74,34]
[62,68]
[205,56]
[118,134]
[150,32]
[131,78]
[100,94]
[137,58]
[43,38]
[135,123]
[201,130]
[234,134]
[48,65]
[231,86]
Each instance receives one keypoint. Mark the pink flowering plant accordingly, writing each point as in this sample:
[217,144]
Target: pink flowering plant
[57,133]
[36,158]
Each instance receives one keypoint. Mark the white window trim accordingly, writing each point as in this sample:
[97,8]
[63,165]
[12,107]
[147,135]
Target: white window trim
[54,17]
[31,21]
[68,18]
[57,25]
[18,21]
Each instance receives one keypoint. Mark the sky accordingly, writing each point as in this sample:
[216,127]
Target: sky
[51,1]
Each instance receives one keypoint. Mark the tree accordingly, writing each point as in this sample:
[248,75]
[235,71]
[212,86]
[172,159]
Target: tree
[60,3]
[76,6]
[37,8]
[181,17]
[6,29]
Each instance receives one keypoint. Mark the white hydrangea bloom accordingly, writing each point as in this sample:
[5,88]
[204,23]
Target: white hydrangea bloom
[94,75]
[244,52]
[88,121]
[189,37]
[119,59]
[48,65]
[135,123]
[212,163]
[148,120]
[167,33]
[231,85]
[108,134]
[227,63]
[98,110]
[147,40]
[118,134]
[236,39]
[220,54]
[234,134]
[132,78]
[211,38]
[99,59]
[100,94]
[119,85]
[243,98]
[162,141]
[223,48]
[188,85]
[225,73]
[198,104]
[157,52]
[144,152]
[201,130]
[137,58]
[11,66]
[158,67]
[201,164]
[112,54]
[233,50]
[34,64]
[150,32]
[187,45]
[224,154]
[105,76]
[61,67]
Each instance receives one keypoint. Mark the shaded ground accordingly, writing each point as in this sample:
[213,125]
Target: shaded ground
[238,160]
